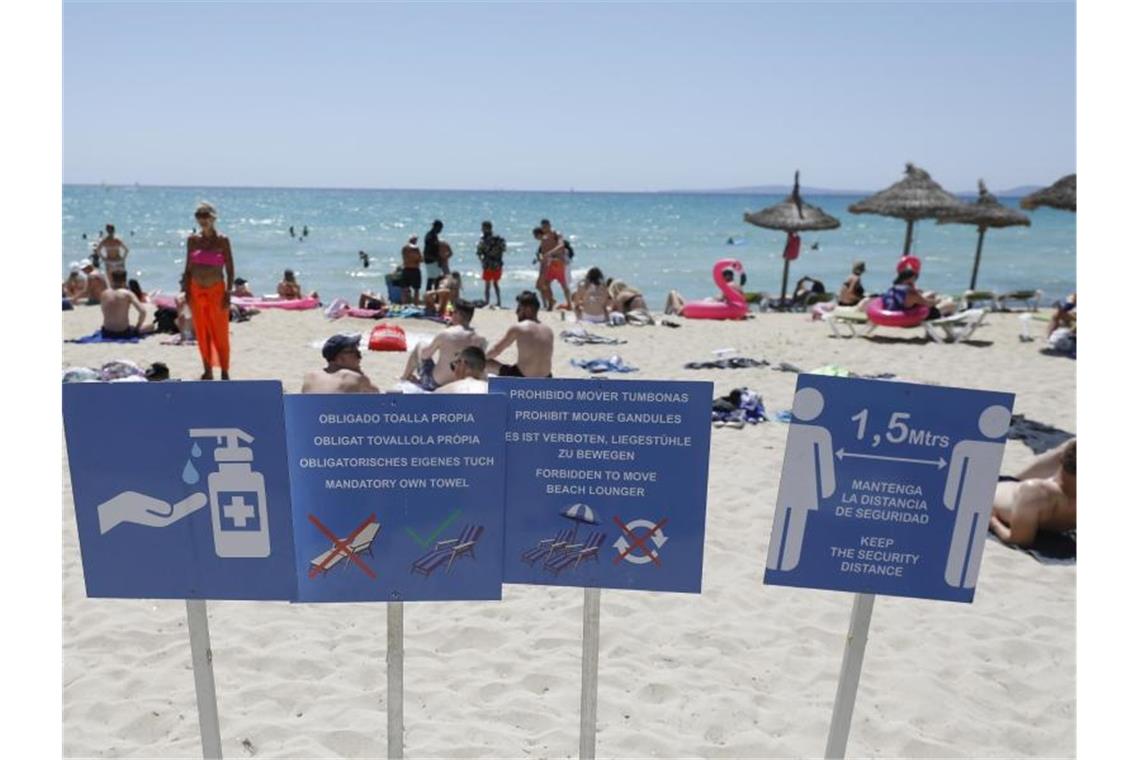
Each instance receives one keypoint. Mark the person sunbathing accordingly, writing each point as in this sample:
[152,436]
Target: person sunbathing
[1043,496]
[1065,315]
[241,289]
[117,302]
[470,368]
[591,300]
[429,372]
[851,292]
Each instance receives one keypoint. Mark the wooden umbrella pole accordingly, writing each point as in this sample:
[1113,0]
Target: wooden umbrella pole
[977,258]
[909,236]
[784,284]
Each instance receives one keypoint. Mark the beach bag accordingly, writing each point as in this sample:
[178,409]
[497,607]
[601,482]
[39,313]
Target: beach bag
[792,247]
[569,250]
[166,320]
[385,337]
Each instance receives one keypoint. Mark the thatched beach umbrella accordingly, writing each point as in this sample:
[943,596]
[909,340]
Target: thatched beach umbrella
[914,197]
[792,215]
[1061,194]
[984,213]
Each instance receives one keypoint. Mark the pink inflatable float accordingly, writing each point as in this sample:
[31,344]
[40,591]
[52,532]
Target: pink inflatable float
[909,318]
[733,307]
[297,304]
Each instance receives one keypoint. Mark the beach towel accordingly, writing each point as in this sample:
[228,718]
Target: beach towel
[735,362]
[1048,548]
[613,364]
[97,337]
[1036,435]
[579,336]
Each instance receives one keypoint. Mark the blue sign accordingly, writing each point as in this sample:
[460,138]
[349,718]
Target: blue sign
[397,498]
[887,487]
[606,482]
[181,489]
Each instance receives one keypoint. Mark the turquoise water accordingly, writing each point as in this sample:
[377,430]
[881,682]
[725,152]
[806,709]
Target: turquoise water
[655,241]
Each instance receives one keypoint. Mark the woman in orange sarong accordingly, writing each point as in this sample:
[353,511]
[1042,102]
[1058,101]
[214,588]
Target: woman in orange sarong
[209,260]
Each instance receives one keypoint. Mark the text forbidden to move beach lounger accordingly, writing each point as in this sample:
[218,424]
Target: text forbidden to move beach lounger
[606,482]
[887,487]
[398,498]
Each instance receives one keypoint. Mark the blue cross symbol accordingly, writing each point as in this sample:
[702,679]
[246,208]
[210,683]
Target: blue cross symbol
[238,511]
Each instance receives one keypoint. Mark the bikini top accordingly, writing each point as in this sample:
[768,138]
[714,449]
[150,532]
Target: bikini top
[207,258]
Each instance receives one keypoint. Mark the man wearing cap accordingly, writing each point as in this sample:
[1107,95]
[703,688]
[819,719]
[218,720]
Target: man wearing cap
[96,283]
[535,343]
[342,374]
[241,289]
[75,286]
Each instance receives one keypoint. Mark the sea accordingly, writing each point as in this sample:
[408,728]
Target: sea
[657,242]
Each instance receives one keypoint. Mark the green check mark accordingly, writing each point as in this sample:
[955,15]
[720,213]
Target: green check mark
[426,542]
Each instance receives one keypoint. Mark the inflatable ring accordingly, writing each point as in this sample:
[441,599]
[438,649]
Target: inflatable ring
[909,318]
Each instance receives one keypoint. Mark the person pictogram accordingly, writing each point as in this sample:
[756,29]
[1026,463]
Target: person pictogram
[808,477]
[970,482]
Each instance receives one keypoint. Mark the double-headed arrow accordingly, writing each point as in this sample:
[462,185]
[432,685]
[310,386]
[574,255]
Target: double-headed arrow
[939,463]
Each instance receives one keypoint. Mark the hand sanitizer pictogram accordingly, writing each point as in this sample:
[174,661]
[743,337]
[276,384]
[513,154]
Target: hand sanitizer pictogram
[237,496]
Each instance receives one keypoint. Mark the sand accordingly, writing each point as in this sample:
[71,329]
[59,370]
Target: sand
[742,670]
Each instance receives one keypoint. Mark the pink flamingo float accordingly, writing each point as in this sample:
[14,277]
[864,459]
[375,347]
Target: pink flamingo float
[732,307]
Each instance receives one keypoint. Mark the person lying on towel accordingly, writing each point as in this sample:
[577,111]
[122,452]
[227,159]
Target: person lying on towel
[1041,497]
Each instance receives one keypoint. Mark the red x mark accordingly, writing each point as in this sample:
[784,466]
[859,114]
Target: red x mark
[637,542]
[342,547]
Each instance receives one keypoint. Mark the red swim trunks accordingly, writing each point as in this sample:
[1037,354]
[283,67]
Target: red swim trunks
[492,275]
[556,271]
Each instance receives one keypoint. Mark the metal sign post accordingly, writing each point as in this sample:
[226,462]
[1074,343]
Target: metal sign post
[395,660]
[203,661]
[849,676]
[591,635]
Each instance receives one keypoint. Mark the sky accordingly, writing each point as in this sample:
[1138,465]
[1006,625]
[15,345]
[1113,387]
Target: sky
[544,96]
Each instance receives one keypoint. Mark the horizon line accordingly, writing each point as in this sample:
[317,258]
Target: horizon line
[692,191]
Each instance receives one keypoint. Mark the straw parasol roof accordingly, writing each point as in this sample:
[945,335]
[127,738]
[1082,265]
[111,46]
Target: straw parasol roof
[916,196]
[1061,194]
[792,215]
[983,213]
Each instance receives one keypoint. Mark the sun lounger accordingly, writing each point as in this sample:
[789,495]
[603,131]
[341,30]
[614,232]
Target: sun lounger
[849,317]
[362,544]
[446,552]
[957,327]
[547,548]
[1031,299]
[572,555]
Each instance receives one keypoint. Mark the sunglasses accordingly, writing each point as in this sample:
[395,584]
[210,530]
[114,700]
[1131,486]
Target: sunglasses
[455,363]
[202,215]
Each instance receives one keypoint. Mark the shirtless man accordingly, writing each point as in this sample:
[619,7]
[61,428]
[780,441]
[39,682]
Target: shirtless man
[470,369]
[1043,496]
[553,250]
[342,374]
[535,343]
[428,372]
[114,251]
[117,302]
[411,280]
[96,283]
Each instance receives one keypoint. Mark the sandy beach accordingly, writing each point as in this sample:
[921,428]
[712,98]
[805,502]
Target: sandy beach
[742,670]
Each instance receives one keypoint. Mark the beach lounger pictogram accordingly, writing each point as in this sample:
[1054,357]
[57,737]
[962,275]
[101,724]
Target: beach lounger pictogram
[358,542]
[446,552]
[573,554]
[547,548]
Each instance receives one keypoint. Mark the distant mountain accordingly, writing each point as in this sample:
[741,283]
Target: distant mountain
[771,190]
[1019,191]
